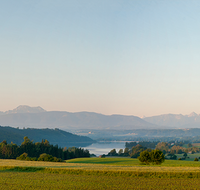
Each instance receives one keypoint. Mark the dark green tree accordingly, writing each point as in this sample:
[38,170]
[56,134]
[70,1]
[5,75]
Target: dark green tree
[120,153]
[157,157]
[135,151]
[145,157]
[189,145]
[112,153]
[185,155]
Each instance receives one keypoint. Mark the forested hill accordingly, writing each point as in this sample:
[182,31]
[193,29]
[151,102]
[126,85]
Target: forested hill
[54,136]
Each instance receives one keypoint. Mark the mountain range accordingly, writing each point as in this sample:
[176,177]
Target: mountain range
[175,120]
[37,117]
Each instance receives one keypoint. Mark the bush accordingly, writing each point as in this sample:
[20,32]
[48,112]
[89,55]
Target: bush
[179,159]
[23,156]
[49,158]
[196,159]
[43,157]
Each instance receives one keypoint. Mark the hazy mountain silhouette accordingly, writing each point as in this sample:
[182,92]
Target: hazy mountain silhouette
[37,117]
[26,109]
[176,120]
[25,116]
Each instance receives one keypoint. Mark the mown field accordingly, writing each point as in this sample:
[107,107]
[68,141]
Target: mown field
[99,173]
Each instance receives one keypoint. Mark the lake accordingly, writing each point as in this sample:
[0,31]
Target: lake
[100,148]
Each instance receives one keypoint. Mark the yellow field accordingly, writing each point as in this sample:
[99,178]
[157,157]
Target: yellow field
[115,166]
[99,173]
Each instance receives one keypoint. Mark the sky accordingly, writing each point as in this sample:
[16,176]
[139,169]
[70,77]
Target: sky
[133,57]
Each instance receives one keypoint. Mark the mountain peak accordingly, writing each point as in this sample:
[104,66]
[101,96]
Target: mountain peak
[26,109]
[193,114]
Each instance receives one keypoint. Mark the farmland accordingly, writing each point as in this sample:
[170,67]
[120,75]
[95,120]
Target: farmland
[99,173]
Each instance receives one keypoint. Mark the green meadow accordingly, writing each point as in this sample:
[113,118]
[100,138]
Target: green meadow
[99,173]
[191,156]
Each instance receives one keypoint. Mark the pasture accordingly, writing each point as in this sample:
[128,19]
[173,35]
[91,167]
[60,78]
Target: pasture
[99,173]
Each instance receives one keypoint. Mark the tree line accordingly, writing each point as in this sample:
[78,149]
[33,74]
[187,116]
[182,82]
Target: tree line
[147,144]
[169,149]
[12,151]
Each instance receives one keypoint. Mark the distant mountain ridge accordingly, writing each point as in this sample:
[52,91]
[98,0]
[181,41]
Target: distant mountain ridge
[26,109]
[25,116]
[37,117]
[176,120]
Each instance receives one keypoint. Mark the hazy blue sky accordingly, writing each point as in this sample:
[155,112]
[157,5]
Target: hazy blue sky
[135,57]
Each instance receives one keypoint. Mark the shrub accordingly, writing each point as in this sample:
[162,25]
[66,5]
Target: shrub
[49,158]
[196,159]
[22,156]
[46,157]
[179,159]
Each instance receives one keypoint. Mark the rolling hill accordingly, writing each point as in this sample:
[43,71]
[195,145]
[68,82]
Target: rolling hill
[54,136]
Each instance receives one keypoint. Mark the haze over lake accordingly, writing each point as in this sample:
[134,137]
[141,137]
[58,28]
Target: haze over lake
[100,148]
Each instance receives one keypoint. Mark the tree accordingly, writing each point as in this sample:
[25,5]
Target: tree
[145,157]
[157,157]
[163,146]
[196,159]
[189,145]
[173,157]
[126,152]
[154,157]
[185,155]
[136,150]
[26,140]
[112,153]
[120,152]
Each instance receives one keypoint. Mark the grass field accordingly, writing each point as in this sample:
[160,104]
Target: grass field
[196,144]
[135,162]
[99,173]
[191,156]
